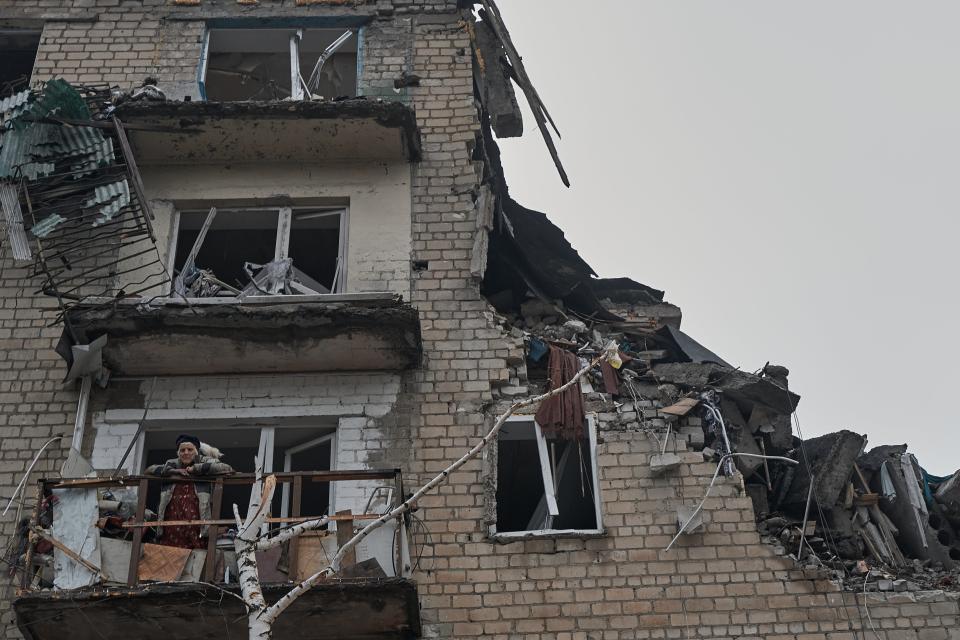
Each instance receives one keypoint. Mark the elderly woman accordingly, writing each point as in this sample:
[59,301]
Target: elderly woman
[186,500]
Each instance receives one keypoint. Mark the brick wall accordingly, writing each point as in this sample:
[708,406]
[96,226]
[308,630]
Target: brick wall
[718,583]
[722,583]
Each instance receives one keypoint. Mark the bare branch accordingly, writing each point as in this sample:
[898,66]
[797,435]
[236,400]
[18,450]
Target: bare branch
[268,616]
[263,544]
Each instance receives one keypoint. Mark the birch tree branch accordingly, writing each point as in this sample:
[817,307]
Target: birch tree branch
[263,544]
[268,616]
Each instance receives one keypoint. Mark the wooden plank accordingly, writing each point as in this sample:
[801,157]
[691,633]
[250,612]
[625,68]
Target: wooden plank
[539,110]
[344,533]
[211,562]
[295,513]
[73,555]
[138,533]
[863,480]
[867,499]
[653,354]
[234,478]
[202,523]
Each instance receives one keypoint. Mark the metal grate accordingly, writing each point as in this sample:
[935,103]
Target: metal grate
[73,191]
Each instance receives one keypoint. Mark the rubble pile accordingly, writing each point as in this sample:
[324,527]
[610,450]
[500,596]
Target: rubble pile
[875,518]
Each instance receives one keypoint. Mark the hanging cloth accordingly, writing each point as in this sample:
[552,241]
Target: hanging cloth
[562,415]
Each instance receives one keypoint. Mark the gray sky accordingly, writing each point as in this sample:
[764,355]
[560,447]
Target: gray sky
[787,172]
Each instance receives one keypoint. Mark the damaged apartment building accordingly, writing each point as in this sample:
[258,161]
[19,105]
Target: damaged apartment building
[283,226]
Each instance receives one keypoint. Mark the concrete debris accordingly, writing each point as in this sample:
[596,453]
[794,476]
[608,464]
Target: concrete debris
[840,508]
[691,517]
[877,515]
[828,462]
[660,463]
[746,388]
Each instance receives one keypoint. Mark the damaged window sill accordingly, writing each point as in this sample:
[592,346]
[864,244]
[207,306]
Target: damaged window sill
[547,534]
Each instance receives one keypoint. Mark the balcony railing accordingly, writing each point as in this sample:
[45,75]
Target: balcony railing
[75,498]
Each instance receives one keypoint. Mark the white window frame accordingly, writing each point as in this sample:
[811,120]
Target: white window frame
[265,451]
[284,229]
[297,81]
[549,485]
[288,463]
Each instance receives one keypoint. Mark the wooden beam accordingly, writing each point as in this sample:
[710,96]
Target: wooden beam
[210,566]
[73,555]
[234,478]
[294,552]
[539,110]
[203,523]
[344,534]
[132,576]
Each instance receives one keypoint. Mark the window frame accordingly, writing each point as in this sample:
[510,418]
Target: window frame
[284,230]
[266,450]
[296,77]
[547,476]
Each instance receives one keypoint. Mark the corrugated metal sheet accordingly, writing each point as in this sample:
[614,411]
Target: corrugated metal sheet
[43,228]
[18,146]
[15,100]
[13,105]
[10,202]
[113,197]
[77,148]
[30,146]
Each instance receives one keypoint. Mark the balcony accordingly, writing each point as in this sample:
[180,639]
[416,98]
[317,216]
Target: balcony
[93,570]
[357,129]
[259,334]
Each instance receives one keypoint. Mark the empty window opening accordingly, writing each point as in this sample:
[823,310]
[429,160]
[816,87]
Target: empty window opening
[235,237]
[283,449]
[313,238]
[545,484]
[280,64]
[18,51]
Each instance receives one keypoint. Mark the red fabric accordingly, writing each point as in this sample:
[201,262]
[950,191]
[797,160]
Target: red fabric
[184,505]
[562,415]
[611,384]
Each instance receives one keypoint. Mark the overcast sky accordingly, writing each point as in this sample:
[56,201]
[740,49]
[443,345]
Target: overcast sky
[787,172]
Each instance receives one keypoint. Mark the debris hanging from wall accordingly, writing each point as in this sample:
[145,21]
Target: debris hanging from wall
[72,192]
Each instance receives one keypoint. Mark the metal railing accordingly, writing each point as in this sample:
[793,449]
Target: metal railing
[299,482]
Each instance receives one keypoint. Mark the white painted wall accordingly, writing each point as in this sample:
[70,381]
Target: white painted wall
[378,251]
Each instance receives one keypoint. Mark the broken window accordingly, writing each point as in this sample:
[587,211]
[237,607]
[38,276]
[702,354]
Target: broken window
[546,484]
[238,242]
[281,448]
[279,64]
[18,50]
